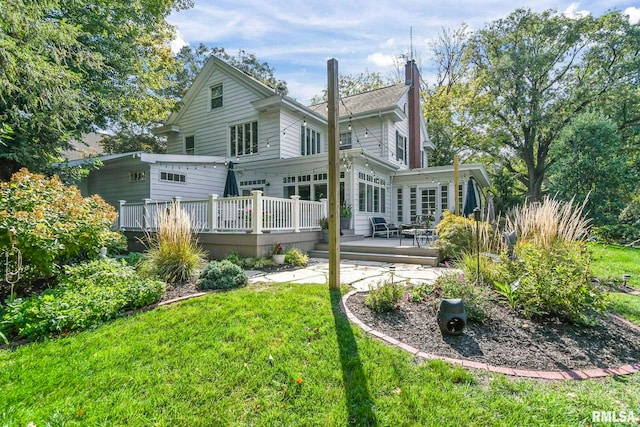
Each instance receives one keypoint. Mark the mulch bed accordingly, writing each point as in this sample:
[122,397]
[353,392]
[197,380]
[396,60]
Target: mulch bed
[507,339]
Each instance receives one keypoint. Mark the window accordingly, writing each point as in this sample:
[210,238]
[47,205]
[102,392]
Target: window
[429,201]
[190,145]
[244,139]
[309,141]
[412,203]
[345,141]
[216,96]
[137,176]
[401,147]
[371,193]
[444,197]
[399,204]
[173,177]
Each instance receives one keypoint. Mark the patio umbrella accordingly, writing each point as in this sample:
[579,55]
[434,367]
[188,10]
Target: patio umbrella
[490,210]
[231,185]
[470,202]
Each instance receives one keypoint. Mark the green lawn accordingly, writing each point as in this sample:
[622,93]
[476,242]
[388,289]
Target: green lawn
[272,355]
[627,306]
[612,261]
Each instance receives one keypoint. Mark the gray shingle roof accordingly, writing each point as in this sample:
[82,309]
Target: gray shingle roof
[374,100]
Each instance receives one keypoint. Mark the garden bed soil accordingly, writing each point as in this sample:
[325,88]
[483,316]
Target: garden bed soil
[507,339]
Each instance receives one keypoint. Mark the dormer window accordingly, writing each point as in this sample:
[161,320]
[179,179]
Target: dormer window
[216,96]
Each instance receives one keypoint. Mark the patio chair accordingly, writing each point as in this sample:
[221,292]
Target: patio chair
[380,225]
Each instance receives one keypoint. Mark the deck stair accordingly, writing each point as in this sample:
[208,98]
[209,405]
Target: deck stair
[380,250]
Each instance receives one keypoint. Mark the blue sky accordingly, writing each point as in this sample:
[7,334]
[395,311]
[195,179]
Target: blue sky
[297,37]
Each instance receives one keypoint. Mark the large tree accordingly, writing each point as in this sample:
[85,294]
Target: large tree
[589,163]
[532,73]
[67,67]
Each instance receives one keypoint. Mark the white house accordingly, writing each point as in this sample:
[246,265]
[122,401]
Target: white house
[279,146]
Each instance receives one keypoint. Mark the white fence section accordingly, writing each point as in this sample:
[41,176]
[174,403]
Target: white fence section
[254,214]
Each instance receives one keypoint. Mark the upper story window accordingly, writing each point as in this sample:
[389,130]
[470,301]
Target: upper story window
[309,141]
[345,141]
[190,145]
[244,139]
[401,147]
[216,96]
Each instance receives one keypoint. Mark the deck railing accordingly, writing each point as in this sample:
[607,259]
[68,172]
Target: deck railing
[252,214]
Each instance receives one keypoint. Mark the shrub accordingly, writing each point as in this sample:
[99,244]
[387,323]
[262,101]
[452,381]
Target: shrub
[296,257]
[88,295]
[631,213]
[173,254]
[385,297]
[476,298]
[54,225]
[222,275]
[234,257]
[133,258]
[617,234]
[554,282]
[457,235]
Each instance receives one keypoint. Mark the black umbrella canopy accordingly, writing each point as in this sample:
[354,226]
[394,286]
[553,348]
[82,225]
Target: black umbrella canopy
[470,202]
[231,185]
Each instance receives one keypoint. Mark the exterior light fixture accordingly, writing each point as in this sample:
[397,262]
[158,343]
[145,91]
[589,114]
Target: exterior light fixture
[451,316]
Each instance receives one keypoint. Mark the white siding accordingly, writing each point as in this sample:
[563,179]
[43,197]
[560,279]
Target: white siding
[200,181]
[211,127]
[113,183]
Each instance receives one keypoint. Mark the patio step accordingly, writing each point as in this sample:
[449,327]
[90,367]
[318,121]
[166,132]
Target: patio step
[380,257]
[367,250]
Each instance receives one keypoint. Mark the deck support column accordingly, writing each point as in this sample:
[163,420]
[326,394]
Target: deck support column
[212,213]
[296,213]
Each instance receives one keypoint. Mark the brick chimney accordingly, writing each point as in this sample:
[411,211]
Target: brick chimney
[412,79]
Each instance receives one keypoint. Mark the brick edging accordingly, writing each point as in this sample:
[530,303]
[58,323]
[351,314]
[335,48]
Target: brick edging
[577,374]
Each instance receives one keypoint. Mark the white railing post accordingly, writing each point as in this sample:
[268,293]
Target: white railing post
[176,200]
[257,212]
[325,207]
[212,217]
[146,218]
[121,214]
[296,213]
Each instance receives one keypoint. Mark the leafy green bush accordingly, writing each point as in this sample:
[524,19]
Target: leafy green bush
[234,257]
[631,213]
[617,234]
[385,297]
[554,282]
[476,298]
[88,294]
[296,257]
[133,258]
[457,235]
[222,275]
[54,225]
[174,254]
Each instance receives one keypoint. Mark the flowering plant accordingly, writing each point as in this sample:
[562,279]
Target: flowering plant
[277,249]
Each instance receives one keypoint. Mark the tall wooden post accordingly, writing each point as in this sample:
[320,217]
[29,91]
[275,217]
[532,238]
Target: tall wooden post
[334,174]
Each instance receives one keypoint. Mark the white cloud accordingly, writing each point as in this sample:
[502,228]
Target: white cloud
[633,13]
[177,43]
[381,60]
[573,12]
